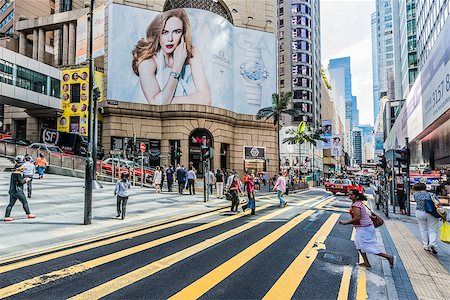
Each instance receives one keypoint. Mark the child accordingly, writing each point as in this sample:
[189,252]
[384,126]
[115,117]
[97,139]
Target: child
[121,190]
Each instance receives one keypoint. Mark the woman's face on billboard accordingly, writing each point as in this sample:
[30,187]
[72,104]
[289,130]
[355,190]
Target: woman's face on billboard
[171,35]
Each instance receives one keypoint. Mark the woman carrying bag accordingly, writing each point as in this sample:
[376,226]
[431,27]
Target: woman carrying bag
[365,238]
[427,216]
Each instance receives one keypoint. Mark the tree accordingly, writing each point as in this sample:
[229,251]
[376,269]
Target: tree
[303,134]
[280,107]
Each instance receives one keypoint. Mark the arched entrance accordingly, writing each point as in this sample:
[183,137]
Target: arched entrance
[197,138]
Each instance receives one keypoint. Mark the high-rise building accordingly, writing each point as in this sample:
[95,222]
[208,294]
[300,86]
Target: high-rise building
[357,145]
[375,70]
[299,57]
[430,16]
[408,44]
[355,112]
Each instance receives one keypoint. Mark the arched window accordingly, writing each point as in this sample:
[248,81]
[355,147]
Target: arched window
[216,7]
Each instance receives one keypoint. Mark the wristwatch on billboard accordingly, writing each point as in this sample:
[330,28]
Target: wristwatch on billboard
[254,72]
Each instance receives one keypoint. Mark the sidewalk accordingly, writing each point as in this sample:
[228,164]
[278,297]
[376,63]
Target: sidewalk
[419,273]
[58,202]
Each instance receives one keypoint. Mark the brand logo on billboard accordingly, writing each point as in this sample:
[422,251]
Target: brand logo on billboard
[221,59]
[254,152]
[50,136]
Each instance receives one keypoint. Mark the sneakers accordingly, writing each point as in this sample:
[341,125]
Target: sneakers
[433,249]
[31,216]
[8,219]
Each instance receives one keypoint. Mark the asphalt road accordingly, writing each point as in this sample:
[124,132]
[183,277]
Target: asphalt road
[295,252]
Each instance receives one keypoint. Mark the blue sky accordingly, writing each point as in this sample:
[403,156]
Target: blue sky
[345,31]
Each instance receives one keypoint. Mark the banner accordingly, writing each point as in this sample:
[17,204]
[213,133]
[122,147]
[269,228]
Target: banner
[254,153]
[81,45]
[227,67]
[336,148]
[327,127]
[99,32]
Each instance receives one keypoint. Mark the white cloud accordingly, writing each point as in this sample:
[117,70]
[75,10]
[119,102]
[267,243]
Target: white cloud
[346,31]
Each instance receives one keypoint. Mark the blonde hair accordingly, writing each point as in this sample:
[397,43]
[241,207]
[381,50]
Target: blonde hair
[149,46]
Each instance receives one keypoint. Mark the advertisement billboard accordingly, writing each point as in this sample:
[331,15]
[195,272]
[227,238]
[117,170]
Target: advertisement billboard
[188,56]
[336,147]
[327,127]
[98,33]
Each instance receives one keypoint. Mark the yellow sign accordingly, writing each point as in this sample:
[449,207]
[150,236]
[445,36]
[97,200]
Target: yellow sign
[75,95]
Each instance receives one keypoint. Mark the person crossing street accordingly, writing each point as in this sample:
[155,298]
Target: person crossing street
[29,173]
[121,190]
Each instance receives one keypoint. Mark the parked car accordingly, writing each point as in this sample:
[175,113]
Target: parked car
[123,166]
[344,186]
[17,141]
[46,147]
[364,180]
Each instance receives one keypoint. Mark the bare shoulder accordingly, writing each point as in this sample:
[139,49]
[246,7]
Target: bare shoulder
[147,65]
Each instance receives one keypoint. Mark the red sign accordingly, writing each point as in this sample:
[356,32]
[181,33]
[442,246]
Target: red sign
[142,147]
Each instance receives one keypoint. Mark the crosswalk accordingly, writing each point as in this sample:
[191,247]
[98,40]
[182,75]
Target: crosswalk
[276,254]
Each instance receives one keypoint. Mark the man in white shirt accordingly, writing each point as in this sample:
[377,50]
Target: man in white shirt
[28,173]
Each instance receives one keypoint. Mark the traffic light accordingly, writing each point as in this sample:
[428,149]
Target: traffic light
[402,156]
[178,153]
[96,94]
[206,152]
[382,163]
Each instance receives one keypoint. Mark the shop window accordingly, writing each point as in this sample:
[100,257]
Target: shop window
[75,93]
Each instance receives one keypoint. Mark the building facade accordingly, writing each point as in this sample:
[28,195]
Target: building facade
[358,142]
[226,121]
[375,70]
[300,57]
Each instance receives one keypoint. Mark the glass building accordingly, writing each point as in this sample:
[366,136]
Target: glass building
[408,44]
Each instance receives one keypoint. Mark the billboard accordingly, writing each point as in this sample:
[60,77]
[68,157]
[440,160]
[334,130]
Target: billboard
[336,147]
[327,127]
[188,56]
[98,33]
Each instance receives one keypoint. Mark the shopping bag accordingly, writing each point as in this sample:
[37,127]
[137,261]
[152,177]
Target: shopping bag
[445,232]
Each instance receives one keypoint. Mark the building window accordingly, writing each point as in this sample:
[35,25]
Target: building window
[75,93]
[65,5]
[6,72]
[6,19]
[212,6]
[24,78]
[39,83]
[10,31]
[55,88]
[5,7]
[75,124]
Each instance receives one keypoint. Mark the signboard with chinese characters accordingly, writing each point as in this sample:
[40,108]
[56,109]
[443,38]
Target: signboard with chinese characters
[251,152]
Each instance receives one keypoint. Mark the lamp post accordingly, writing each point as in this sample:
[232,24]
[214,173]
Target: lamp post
[88,178]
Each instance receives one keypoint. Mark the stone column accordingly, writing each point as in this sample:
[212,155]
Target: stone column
[41,45]
[56,47]
[65,45]
[35,44]
[72,40]
[22,43]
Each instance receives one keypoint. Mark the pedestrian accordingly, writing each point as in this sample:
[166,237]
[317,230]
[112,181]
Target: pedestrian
[401,198]
[169,173]
[157,179]
[264,179]
[16,193]
[181,178]
[191,179]
[41,165]
[211,181]
[121,190]
[29,173]
[280,188]
[244,179]
[230,179]
[163,177]
[365,237]
[427,222]
[250,195]
[219,183]
[235,188]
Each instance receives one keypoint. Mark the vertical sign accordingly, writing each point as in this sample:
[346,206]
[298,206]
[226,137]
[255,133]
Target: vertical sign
[81,47]
[99,31]
[336,149]
[327,127]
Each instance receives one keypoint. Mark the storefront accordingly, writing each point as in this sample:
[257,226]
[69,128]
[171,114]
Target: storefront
[255,159]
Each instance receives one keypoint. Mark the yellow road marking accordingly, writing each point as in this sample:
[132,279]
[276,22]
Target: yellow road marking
[150,269]
[289,281]
[59,274]
[345,284]
[62,253]
[322,204]
[207,282]
[361,292]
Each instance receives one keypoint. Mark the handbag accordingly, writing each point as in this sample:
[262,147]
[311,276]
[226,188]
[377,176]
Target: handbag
[287,191]
[445,232]
[430,207]
[376,219]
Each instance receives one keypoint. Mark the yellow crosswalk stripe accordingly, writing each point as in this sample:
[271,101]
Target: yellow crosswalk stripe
[289,281]
[326,202]
[150,269]
[109,241]
[207,282]
[345,284]
[81,267]
[361,291]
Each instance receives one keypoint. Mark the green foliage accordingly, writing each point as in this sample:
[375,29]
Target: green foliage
[280,104]
[303,134]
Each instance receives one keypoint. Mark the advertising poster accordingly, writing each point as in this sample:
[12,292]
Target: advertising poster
[99,32]
[336,147]
[189,56]
[81,44]
[327,127]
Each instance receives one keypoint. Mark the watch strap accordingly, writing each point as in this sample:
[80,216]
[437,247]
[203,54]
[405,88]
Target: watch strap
[174,74]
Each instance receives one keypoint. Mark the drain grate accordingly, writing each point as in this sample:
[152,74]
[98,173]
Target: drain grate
[334,258]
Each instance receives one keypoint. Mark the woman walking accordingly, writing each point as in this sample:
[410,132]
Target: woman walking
[235,188]
[365,238]
[427,223]
[41,164]
[16,193]
[157,179]
[251,195]
[280,187]
[121,190]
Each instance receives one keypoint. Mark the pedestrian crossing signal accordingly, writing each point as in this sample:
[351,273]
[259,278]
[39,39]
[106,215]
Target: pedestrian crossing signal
[207,153]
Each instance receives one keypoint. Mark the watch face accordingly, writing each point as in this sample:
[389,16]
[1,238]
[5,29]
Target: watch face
[254,70]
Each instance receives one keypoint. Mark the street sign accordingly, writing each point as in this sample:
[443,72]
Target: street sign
[142,147]
[115,152]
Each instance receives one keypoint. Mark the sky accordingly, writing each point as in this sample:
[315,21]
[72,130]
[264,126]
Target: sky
[346,31]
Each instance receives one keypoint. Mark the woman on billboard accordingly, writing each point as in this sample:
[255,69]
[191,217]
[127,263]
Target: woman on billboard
[169,67]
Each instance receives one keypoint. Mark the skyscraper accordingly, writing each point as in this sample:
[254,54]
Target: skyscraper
[299,57]
[375,70]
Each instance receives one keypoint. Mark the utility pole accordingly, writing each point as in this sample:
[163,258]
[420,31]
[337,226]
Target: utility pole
[89,160]
[407,181]
[204,170]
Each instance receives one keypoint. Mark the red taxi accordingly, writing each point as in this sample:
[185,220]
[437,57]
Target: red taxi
[343,186]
